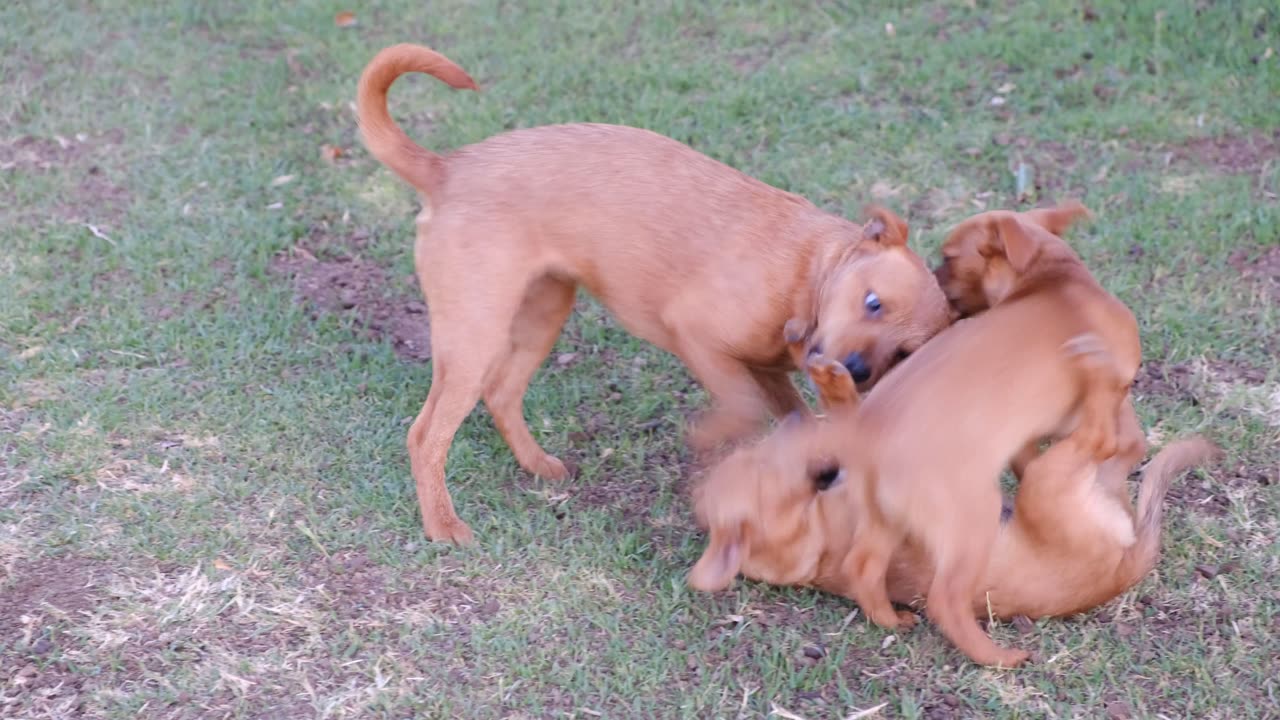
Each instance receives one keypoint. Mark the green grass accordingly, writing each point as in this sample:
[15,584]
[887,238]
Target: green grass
[205,503]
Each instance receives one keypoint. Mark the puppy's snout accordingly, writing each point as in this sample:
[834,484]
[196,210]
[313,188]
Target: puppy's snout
[857,367]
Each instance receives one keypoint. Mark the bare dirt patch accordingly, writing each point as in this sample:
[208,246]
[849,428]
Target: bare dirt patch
[384,307]
[1229,154]
[1195,382]
[1178,380]
[31,589]
[93,197]
[358,590]
[34,153]
[35,597]
[1262,268]
[1240,389]
[97,199]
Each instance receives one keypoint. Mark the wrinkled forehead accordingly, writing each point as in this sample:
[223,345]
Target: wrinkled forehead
[896,275]
[907,285]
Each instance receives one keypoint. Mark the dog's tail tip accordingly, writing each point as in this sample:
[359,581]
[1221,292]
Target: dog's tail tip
[1173,459]
[386,141]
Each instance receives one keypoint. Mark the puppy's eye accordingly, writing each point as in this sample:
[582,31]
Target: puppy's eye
[872,302]
[824,478]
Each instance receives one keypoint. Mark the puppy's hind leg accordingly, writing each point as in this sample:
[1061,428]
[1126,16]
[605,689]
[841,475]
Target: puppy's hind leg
[1103,389]
[962,552]
[468,339]
[1050,506]
[1113,473]
[455,387]
[865,573]
[547,304]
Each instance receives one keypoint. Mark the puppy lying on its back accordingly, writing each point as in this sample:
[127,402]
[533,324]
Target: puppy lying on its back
[923,452]
[687,253]
[1071,543]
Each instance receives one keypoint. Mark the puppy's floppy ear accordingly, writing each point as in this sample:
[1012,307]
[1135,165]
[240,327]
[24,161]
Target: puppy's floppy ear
[720,562]
[1058,220]
[971,236]
[1020,242]
[885,227]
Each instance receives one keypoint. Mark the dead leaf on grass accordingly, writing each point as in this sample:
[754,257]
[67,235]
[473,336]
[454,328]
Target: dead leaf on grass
[776,710]
[881,190]
[344,19]
[331,153]
[858,714]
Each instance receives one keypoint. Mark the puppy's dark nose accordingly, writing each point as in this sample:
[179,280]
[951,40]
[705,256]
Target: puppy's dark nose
[857,367]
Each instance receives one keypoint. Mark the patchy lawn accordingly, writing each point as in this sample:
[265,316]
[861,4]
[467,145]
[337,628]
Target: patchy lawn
[211,344]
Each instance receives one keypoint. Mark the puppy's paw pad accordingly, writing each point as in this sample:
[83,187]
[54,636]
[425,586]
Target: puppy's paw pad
[823,369]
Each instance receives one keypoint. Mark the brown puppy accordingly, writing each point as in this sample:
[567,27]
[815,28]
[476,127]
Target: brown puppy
[924,450]
[1071,543]
[687,253]
[983,266]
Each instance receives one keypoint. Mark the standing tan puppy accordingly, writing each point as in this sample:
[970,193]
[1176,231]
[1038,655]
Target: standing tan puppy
[687,253]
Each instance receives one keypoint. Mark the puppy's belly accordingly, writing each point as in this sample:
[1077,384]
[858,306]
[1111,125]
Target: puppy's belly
[1111,518]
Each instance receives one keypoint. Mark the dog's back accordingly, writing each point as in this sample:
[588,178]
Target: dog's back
[974,395]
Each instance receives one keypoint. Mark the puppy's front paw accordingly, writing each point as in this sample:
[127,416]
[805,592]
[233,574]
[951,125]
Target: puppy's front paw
[1011,658]
[549,467]
[834,383]
[450,530]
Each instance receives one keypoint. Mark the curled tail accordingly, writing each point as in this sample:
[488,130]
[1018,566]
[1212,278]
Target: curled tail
[419,167]
[1172,460]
